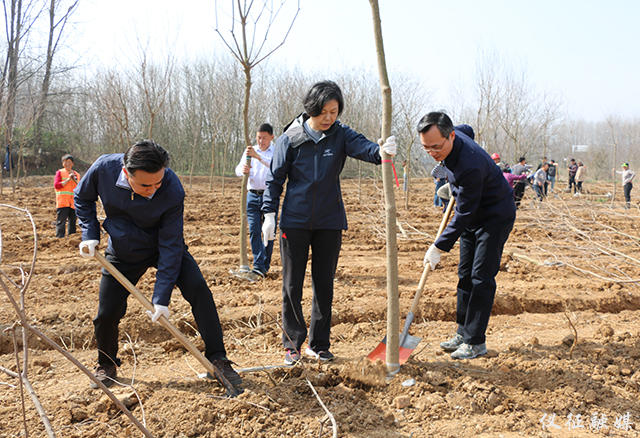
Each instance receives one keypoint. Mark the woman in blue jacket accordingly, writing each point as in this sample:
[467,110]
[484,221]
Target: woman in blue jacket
[309,156]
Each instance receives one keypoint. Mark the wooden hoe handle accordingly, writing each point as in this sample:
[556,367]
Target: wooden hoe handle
[427,269]
[211,368]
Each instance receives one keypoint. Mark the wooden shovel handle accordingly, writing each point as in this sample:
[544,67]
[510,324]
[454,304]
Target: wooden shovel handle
[427,269]
[211,368]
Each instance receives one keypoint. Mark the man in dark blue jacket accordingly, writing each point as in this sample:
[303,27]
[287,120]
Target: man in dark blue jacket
[144,204]
[484,216]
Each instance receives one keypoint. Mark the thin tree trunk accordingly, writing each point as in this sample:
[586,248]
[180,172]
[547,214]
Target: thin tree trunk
[406,195]
[224,163]
[615,153]
[359,180]
[213,160]
[244,258]
[393,325]
[46,82]
[193,160]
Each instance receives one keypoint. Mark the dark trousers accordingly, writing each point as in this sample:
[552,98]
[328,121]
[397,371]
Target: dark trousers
[627,193]
[578,186]
[261,254]
[518,191]
[63,214]
[294,250]
[539,192]
[480,254]
[546,188]
[113,306]
[572,182]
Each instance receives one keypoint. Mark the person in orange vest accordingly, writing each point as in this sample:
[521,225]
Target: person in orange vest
[66,180]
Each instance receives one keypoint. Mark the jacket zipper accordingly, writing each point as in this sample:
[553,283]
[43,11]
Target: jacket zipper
[315,182]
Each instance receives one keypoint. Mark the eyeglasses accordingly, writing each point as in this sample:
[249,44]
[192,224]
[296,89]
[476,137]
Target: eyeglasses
[436,148]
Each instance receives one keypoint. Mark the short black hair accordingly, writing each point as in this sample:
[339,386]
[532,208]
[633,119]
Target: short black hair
[440,119]
[67,157]
[522,159]
[319,95]
[145,155]
[265,127]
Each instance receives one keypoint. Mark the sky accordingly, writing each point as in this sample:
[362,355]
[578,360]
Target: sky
[584,51]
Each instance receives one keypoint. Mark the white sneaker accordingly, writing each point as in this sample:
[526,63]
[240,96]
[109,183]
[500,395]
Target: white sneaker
[324,355]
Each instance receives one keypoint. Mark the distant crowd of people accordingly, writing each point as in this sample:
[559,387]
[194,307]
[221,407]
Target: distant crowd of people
[542,180]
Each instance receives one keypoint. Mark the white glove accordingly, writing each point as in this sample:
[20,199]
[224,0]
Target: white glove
[389,146]
[90,246]
[160,310]
[269,228]
[432,257]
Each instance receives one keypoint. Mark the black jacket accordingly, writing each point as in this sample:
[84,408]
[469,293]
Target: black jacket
[482,193]
[312,173]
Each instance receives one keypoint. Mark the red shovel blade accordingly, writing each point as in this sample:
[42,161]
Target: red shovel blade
[380,351]
[406,349]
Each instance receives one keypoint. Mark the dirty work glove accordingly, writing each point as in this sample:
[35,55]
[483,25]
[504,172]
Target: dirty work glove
[90,246]
[432,257]
[269,228]
[160,310]
[389,146]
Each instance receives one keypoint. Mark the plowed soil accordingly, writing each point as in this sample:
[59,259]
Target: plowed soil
[571,266]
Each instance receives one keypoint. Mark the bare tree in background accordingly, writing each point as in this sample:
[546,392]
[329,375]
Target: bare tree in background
[56,31]
[362,114]
[19,18]
[614,123]
[249,33]
[153,81]
[488,94]
[411,99]
[524,116]
[115,100]
[550,120]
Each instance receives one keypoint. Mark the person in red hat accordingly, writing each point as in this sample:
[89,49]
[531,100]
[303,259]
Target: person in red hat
[496,158]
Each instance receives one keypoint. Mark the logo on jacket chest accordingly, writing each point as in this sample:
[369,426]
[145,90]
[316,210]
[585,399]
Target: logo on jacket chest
[327,153]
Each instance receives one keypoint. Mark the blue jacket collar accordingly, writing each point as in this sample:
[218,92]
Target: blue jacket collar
[123,183]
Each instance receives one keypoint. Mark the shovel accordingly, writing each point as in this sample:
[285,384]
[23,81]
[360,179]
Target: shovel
[213,369]
[407,342]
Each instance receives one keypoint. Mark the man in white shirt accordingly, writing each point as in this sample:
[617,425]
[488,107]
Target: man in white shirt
[261,156]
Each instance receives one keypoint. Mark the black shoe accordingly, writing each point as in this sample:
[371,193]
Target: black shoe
[107,374]
[229,373]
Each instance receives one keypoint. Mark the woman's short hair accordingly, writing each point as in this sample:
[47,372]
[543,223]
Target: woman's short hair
[319,95]
[67,157]
[440,119]
[146,155]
